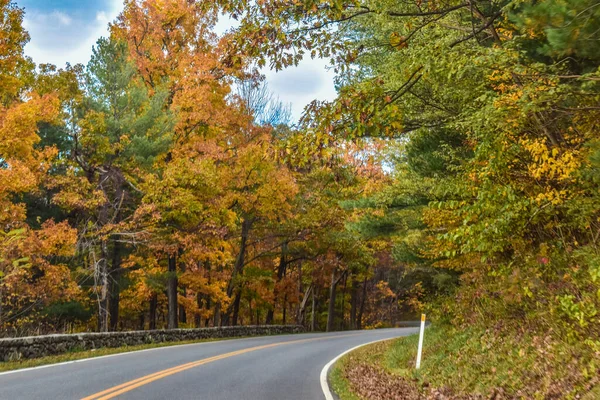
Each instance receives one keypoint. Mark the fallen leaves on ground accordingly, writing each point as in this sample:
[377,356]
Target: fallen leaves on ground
[373,383]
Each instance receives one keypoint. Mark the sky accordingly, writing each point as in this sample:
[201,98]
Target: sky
[65,30]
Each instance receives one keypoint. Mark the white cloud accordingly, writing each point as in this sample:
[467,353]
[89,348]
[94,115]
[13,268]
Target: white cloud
[58,38]
[49,20]
[298,86]
[102,17]
[62,18]
[310,80]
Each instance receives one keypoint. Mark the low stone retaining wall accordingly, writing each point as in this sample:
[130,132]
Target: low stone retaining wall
[40,346]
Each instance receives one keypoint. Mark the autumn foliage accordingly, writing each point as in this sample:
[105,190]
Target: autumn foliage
[143,191]
[457,171]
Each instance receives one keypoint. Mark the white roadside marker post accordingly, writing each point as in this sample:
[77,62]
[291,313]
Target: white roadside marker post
[420,350]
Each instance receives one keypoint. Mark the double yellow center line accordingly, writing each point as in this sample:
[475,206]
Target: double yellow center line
[144,380]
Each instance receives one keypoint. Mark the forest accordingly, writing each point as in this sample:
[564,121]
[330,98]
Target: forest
[162,185]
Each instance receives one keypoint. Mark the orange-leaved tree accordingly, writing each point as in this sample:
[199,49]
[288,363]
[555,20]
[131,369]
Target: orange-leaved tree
[25,253]
[174,48]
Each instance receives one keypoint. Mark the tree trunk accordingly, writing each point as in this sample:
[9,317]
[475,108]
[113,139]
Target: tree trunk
[302,306]
[238,268]
[142,321]
[103,294]
[217,316]
[280,273]
[182,314]
[362,305]
[236,307]
[313,321]
[197,317]
[285,309]
[270,314]
[208,302]
[251,311]
[300,290]
[353,303]
[153,307]
[331,309]
[207,319]
[172,321]
[343,307]
[114,286]
[1,299]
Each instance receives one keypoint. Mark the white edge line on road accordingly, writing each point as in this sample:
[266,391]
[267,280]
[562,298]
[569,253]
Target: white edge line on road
[15,371]
[133,352]
[325,371]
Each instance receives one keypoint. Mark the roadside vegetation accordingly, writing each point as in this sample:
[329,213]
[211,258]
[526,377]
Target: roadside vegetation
[471,363]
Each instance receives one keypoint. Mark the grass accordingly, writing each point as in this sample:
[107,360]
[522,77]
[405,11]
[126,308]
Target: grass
[74,355]
[465,362]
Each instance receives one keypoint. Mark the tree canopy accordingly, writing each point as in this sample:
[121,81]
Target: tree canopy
[162,184]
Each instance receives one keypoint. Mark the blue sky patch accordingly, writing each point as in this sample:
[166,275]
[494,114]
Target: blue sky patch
[81,8]
[65,30]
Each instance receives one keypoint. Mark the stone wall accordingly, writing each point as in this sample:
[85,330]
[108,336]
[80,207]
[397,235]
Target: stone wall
[40,346]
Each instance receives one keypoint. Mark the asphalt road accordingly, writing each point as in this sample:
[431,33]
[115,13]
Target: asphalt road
[262,368]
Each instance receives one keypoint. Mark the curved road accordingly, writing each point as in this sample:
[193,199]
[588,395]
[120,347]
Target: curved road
[263,368]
